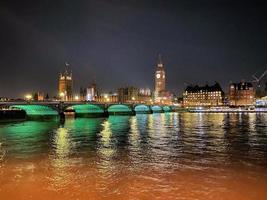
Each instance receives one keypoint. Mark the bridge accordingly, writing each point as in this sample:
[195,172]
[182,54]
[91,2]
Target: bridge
[83,109]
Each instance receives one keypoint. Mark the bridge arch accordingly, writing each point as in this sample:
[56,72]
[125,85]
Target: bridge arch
[142,108]
[157,109]
[167,108]
[89,110]
[120,109]
[33,111]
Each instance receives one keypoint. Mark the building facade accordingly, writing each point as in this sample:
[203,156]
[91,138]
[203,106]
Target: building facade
[91,93]
[160,79]
[204,96]
[107,98]
[262,102]
[128,95]
[82,96]
[241,94]
[145,96]
[38,96]
[165,97]
[145,92]
[65,86]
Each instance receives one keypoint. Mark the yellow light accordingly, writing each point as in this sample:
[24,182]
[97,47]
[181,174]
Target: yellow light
[76,97]
[133,98]
[28,96]
[62,94]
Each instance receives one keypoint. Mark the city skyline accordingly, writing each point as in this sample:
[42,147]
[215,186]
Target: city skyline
[133,99]
[116,43]
[75,88]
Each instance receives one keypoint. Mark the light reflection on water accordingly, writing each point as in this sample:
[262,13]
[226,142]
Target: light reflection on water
[164,156]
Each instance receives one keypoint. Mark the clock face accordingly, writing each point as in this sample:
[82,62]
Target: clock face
[158,75]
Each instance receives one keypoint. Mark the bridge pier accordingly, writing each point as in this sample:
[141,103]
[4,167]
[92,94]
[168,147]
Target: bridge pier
[62,115]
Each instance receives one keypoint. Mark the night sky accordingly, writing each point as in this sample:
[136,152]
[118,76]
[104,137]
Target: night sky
[116,42]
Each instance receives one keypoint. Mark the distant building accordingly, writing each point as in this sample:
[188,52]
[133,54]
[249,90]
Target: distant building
[47,97]
[161,95]
[91,93]
[262,102]
[128,95]
[160,79]
[83,93]
[107,98]
[145,92]
[145,96]
[241,94]
[165,97]
[65,86]
[39,96]
[4,99]
[206,96]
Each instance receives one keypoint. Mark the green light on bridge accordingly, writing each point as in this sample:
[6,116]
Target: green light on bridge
[156,109]
[88,109]
[167,108]
[142,109]
[36,109]
[119,109]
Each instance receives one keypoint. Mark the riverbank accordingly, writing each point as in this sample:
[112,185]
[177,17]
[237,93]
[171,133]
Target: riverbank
[12,115]
[226,110]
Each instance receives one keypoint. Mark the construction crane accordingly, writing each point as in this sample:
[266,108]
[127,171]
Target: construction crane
[258,79]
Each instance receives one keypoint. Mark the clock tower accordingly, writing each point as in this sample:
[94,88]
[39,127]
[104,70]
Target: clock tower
[159,78]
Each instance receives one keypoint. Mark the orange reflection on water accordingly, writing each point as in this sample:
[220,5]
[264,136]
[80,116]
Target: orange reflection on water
[39,183]
[163,156]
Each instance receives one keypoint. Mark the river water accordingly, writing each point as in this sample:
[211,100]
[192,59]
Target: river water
[157,156]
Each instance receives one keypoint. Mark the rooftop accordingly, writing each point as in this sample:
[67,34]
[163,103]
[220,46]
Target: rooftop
[208,88]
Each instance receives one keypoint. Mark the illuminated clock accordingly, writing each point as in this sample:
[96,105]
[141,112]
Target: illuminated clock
[158,75]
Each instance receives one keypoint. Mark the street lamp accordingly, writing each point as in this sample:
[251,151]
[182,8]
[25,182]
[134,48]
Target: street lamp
[76,98]
[28,97]
[61,95]
[106,98]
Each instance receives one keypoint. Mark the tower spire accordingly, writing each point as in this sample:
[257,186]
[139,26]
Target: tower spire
[160,59]
[160,63]
[66,67]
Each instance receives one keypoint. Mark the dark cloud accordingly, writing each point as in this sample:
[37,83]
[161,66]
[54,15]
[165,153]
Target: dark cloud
[117,42]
